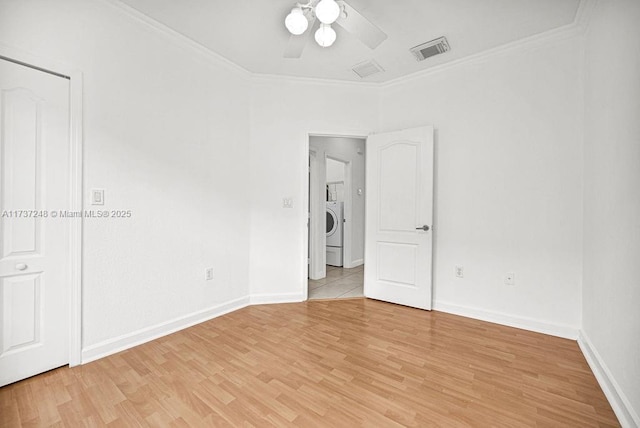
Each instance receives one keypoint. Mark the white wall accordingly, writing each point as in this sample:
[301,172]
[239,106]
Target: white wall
[611,309]
[203,158]
[335,169]
[166,133]
[283,114]
[508,182]
[347,150]
[335,180]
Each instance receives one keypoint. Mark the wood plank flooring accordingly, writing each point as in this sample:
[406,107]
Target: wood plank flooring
[340,363]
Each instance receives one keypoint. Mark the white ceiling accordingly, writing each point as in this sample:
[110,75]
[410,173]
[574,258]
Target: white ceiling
[251,33]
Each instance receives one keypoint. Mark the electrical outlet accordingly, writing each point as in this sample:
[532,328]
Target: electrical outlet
[459,271]
[510,278]
[287,202]
[208,275]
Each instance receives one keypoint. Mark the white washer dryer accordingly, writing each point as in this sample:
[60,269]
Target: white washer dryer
[335,226]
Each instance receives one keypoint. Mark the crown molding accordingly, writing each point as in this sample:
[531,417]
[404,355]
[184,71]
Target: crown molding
[178,38]
[585,11]
[279,78]
[576,28]
[206,53]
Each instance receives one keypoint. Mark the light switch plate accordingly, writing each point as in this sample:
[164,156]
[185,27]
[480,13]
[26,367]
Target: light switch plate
[459,271]
[97,196]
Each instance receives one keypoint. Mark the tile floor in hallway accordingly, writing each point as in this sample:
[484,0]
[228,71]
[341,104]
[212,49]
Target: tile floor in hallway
[339,283]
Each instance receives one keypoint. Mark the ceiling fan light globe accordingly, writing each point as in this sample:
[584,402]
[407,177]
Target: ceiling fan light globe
[296,22]
[325,35]
[327,11]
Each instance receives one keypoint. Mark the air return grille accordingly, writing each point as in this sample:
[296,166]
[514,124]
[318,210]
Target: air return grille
[429,49]
[367,68]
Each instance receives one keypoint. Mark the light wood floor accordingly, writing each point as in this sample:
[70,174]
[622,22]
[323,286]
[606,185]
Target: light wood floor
[323,363]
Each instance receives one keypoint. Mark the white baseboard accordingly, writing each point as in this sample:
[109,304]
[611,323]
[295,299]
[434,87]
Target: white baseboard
[319,274]
[626,414]
[559,330]
[129,340]
[261,299]
[356,263]
[126,341]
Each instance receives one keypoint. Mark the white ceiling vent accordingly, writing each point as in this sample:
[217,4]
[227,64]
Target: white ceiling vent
[429,49]
[367,68]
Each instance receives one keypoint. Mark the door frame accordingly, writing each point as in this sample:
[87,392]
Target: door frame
[16,55]
[305,223]
[316,236]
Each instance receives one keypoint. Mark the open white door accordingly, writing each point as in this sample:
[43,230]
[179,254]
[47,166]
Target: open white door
[34,245]
[399,214]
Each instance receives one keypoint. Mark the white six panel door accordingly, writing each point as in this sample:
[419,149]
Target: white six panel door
[34,249]
[399,214]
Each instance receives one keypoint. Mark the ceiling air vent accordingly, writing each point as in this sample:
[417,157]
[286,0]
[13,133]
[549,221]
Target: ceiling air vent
[367,68]
[429,49]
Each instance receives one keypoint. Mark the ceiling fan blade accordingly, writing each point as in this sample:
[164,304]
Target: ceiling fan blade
[360,27]
[296,44]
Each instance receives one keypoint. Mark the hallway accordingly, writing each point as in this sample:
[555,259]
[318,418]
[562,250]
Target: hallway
[339,283]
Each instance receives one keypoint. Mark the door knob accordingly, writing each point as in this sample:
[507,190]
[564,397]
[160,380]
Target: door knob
[21,266]
[425,228]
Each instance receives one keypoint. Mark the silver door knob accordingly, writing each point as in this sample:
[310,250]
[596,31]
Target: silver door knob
[425,228]
[21,266]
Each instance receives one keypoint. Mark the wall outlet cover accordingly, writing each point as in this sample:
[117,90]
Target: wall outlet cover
[510,278]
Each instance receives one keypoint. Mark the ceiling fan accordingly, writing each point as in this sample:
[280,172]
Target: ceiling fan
[319,15]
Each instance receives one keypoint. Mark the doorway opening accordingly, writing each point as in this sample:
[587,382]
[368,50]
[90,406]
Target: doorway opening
[336,217]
